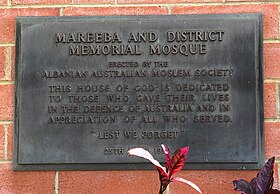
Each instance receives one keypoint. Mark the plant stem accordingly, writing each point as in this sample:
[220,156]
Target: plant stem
[160,192]
[166,191]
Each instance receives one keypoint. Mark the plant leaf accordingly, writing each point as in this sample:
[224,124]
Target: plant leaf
[163,184]
[163,176]
[272,191]
[243,186]
[140,152]
[177,179]
[178,160]
[264,179]
[167,157]
[253,185]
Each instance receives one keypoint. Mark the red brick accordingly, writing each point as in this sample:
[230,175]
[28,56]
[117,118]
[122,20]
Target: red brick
[3,2]
[93,1]
[109,182]
[7,22]
[276,175]
[211,181]
[272,60]
[6,102]
[269,11]
[48,2]
[115,10]
[2,62]
[25,182]
[10,142]
[272,134]
[269,100]
[165,1]
[2,140]
[251,0]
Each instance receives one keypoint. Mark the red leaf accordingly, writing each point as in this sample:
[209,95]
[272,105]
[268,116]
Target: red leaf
[164,182]
[178,160]
[167,157]
[163,176]
[174,165]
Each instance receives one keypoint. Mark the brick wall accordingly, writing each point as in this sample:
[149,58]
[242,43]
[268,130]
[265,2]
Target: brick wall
[130,182]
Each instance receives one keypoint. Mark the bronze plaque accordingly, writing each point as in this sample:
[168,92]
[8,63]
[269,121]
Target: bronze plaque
[90,88]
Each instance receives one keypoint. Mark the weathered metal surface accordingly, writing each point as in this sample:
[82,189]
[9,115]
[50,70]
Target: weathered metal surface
[90,88]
